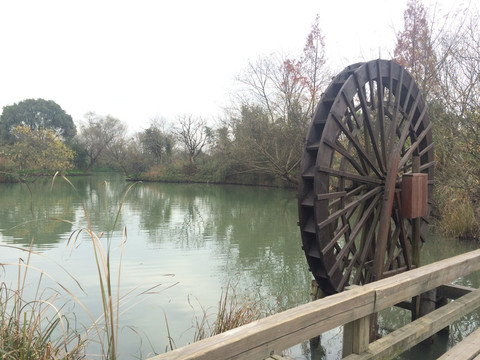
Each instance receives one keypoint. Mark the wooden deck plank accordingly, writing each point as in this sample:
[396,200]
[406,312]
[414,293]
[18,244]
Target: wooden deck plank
[467,349]
[415,332]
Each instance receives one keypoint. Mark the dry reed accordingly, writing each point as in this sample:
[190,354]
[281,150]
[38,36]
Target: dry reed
[233,311]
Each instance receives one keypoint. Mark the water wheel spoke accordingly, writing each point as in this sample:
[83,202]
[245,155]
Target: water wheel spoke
[405,246]
[361,199]
[419,121]
[352,110]
[415,145]
[368,250]
[332,195]
[341,256]
[349,194]
[334,241]
[346,155]
[350,176]
[396,255]
[396,108]
[361,225]
[371,89]
[348,271]
[381,114]
[407,124]
[360,149]
[390,87]
[367,121]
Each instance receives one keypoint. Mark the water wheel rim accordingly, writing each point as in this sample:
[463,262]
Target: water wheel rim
[370,112]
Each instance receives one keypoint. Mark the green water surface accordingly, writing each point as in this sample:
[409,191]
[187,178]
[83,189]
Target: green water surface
[183,245]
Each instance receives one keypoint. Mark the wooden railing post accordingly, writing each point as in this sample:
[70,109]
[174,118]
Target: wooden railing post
[356,334]
[316,342]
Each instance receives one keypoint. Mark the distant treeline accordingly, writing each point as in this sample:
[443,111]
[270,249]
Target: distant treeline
[259,139]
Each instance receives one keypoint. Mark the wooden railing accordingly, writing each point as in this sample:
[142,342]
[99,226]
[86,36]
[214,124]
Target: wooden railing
[263,338]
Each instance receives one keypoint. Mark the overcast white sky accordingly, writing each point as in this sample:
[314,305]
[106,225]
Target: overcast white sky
[136,60]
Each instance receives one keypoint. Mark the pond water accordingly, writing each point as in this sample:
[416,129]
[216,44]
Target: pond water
[183,244]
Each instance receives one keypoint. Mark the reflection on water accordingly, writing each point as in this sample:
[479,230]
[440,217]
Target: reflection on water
[191,240]
[25,213]
[207,236]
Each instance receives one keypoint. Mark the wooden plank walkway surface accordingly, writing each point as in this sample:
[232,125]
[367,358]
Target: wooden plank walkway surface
[467,349]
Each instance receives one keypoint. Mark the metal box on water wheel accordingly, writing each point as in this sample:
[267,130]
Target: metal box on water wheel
[414,195]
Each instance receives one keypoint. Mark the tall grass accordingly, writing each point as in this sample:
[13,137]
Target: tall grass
[107,325]
[32,329]
[458,217]
[233,311]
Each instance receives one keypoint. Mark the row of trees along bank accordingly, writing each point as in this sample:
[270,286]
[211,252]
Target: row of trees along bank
[259,140]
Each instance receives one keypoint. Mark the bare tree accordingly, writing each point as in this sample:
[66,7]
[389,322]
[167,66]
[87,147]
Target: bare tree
[194,134]
[278,98]
[460,79]
[99,133]
[460,73]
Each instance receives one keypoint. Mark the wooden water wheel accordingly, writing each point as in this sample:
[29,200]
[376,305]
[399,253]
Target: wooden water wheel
[370,130]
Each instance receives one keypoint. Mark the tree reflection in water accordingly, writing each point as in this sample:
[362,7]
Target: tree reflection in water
[208,236]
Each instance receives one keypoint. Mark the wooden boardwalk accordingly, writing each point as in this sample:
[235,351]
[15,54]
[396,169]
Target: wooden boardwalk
[468,349]
[267,337]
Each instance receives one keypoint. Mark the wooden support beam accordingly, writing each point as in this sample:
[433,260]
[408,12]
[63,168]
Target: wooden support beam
[415,332]
[428,301]
[356,334]
[317,293]
[361,339]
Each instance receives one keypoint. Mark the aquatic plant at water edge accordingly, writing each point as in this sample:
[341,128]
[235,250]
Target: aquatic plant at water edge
[35,328]
[233,311]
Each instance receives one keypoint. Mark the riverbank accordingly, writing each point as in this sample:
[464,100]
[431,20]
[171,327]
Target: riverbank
[13,177]
[204,175]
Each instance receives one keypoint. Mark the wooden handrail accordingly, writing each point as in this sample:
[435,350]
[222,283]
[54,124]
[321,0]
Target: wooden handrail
[273,334]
